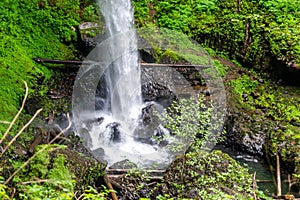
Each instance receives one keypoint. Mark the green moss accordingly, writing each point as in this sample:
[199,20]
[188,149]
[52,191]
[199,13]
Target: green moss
[212,175]
[45,176]
[272,26]
[243,85]
[61,173]
[28,29]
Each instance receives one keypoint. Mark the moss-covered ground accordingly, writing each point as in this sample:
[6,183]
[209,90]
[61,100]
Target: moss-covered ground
[30,29]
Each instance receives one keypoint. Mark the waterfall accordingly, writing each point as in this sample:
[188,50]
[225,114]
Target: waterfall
[107,106]
[123,76]
[107,98]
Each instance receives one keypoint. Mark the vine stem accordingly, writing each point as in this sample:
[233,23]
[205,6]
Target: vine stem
[17,115]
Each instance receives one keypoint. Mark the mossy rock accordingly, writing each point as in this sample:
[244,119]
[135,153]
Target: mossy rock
[87,171]
[209,176]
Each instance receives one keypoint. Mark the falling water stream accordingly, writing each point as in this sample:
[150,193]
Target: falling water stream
[123,77]
[119,104]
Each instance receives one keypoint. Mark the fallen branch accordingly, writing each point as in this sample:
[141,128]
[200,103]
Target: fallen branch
[110,187]
[4,122]
[75,63]
[150,178]
[65,62]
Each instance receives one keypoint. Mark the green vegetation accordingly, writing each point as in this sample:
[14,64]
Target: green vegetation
[198,173]
[47,176]
[34,28]
[274,106]
[243,85]
[192,121]
[41,181]
[212,175]
[47,29]
[52,172]
[250,30]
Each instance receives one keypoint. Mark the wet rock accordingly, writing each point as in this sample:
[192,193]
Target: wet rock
[149,117]
[158,93]
[146,56]
[115,132]
[206,93]
[99,154]
[244,136]
[124,164]
[90,34]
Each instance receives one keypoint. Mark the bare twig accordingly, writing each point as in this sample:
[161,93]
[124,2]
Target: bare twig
[265,181]
[21,131]
[254,185]
[13,193]
[17,115]
[4,122]
[40,151]
[115,183]
[110,187]
[278,178]
[247,40]
[42,181]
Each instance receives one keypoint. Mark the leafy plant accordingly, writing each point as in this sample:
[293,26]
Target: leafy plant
[3,194]
[188,121]
[93,194]
[244,84]
[260,28]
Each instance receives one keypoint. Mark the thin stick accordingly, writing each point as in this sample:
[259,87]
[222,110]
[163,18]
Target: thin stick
[4,122]
[110,187]
[21,131]
[40,151]
[254,185]
[42,181]
[265,181]
[278,185]
[13,194]
[17,115]
[290,182]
